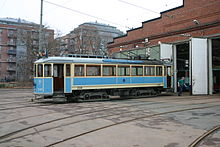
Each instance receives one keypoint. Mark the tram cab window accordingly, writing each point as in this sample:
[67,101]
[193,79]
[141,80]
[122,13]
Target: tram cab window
[109,70]
[123,70]
[35,70]
[79,70]
[137,71]
[68,70]
[159,71]
[149,71]
[93,70]
[40,70]
[47,70]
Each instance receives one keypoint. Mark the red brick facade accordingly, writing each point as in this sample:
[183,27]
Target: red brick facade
[196,18]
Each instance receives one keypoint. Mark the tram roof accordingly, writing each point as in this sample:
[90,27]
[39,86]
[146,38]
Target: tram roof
[96,60]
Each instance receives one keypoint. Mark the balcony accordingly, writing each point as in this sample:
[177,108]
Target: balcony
[11,60]
[11,52]
[12,43]
[35,37]
[12,35]
[13,69]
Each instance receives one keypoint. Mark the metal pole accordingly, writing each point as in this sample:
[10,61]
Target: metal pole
[41,27]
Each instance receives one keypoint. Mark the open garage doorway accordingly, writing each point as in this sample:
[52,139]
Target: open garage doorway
[216,65]
[182,63]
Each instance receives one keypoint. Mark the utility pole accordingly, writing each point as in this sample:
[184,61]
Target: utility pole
[41,28]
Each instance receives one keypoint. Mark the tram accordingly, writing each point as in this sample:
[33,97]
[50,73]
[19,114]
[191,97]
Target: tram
[92,78]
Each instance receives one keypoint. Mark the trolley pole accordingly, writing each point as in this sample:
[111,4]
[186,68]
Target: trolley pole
[40,30]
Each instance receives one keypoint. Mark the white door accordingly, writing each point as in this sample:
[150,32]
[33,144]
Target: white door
[199,66]
[166,51]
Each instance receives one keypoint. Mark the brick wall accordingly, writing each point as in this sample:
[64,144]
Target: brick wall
[172,23]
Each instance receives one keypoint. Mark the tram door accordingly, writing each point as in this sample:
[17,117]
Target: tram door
[169,76]
[58,78]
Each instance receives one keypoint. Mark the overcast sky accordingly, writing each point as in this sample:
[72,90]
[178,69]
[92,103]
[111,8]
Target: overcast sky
[123,14]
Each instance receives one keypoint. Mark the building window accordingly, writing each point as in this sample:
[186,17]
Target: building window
[93,70]
[47,70]
[123,70]
[137,71]
[109,70]
[79,70]
[149,71]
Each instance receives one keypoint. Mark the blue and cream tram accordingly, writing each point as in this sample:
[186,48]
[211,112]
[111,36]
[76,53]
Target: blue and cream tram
[98,78]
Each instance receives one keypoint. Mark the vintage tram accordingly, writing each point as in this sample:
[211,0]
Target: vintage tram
[92,78]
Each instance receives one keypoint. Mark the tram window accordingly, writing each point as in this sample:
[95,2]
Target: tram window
[93,70]
[68,70]
[109,70]
[123,71]
[169,71]
[79,70]
[47,70]
[165,71]
[40,70]
[137,71]
[149,71]
[35,69]
[159,71]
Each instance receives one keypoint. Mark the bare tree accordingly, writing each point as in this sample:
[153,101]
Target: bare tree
[27,51]
[85,41]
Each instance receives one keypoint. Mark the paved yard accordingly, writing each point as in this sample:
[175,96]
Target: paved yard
[163,121]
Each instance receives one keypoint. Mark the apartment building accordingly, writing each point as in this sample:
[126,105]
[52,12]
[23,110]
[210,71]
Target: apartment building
[90,38]
[19,48]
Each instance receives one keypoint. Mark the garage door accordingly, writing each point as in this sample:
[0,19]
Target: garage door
[199,65]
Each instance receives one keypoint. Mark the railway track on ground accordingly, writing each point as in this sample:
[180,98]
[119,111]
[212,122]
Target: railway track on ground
[202,137]
[127,121]
[74,115]
[130,101]
[25,106]
[87,119]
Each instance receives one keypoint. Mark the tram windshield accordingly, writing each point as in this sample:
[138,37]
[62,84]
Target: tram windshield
[39,70]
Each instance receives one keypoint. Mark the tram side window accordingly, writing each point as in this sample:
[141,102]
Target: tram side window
[68,70]
[149,71]
[159,71]
[79,70]
[137,71]
[123,71]
[40,70]
[165,71]
[93,70]
[169,71]
[47,70]
[109,70]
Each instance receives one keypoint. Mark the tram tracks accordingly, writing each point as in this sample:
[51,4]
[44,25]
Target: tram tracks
[83,120]
[66,117]
[202,137]
[136,104]
[133,102]
[126,121]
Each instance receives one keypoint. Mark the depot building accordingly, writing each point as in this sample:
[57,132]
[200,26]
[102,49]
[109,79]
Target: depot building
[187,36]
